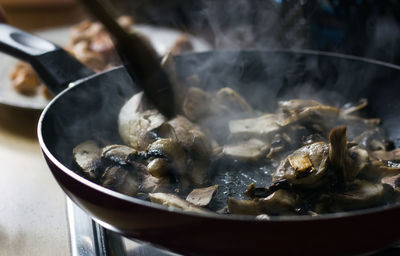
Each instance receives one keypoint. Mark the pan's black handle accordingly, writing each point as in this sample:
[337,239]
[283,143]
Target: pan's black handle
[56,67]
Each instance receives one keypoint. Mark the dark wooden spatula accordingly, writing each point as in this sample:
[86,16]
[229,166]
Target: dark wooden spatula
[140,60]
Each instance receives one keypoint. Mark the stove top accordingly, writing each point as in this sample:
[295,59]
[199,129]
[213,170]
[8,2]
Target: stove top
[87,238]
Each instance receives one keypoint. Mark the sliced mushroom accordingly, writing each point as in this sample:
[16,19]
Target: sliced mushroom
[166,131]
[382,155]
[172,200]
[393,181]
[121,180]
[135,125]
[276,149]
[246,150]
[306,167]
[351,108]
[151,184]
[320,118]
[200,105]
[360,158]
[197,145]
[191,136]
[173,151]
[202,196]
[371,139]
[346,162]
[24,79]
[233,101]
[197,104]
[159,167]
[359,194]
[348,113]
[376,170]
[296,105]
[118,154]
[279,202]
[259,192]
[262,127]
[88,157]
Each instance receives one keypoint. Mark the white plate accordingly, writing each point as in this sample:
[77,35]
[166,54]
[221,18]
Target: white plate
[161,38]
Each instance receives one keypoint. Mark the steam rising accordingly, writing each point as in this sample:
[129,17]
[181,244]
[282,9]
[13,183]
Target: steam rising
[263,78]
[255,24]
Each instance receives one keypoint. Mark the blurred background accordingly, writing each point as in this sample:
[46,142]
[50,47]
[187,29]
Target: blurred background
[367,28]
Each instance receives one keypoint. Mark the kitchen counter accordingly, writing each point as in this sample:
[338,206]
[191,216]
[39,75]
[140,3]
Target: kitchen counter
[33,210]
[33,219]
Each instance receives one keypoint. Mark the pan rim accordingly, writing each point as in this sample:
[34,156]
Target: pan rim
[211,215]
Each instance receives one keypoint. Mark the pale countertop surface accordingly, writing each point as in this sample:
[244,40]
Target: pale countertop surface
[32,211]
[33,219]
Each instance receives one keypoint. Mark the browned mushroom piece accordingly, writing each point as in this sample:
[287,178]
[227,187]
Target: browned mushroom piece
[383,155]
[279,202]
[102,45]
[393,181]
[214,111]
[202,196]
[151,184]
[136,122]
[88,157]
[357,195]
[253,192]
[262,127]
[371,139]
[159,167]
[296,105]
[305,167]
[376,170]
[321,118]
[197,145]
[24,79]
[92,45]
[83,53]
[233,101]
[351,108]
[121,180]
[45,92]
[119,154]
[78,32]
[172,200]
[349,113]
[346,162]
[173,151]
[197,104]
[246,150]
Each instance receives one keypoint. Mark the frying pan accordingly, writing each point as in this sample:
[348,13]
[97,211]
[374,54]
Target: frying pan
[89,106]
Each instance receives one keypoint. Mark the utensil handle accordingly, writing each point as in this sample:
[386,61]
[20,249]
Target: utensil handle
[56,67]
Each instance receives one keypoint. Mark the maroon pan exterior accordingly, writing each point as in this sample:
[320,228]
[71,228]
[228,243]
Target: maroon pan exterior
[194,234]
[211,234]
